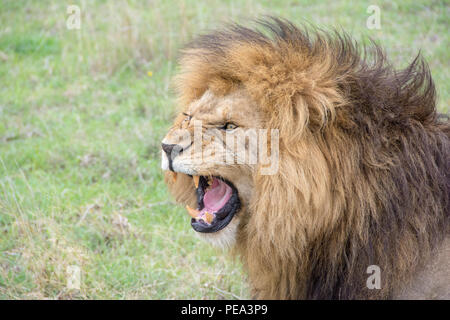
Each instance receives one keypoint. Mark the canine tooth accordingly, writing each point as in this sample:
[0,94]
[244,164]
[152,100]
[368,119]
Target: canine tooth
[192,212]
[210,181]
[196,180]
[208,217]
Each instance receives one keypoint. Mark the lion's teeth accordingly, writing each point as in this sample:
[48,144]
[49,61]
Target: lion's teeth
[210,181]
[208,217]
[196,180]
[192,212]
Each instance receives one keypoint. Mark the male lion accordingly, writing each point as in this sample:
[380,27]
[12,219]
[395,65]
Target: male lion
[363,178]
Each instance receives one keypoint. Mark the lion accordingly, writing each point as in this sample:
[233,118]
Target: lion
[362,181]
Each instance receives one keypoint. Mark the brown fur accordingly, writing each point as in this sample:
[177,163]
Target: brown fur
[364,175]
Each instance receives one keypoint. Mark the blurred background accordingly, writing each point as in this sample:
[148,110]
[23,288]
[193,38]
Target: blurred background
[84,213]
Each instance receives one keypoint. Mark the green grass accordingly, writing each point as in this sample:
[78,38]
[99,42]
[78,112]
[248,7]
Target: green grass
[80,126]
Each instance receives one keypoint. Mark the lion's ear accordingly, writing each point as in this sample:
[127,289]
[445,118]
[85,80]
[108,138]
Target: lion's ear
[314,112]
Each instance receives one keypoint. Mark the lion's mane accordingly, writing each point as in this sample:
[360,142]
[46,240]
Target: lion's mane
[364,160]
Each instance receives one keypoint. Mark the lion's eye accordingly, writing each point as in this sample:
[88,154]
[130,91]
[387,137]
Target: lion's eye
[230,126]
[188,117]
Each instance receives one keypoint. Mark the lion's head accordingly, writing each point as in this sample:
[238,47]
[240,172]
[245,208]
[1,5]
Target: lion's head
[358,165]
[217,193]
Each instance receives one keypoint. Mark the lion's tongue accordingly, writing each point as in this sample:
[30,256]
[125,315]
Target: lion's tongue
[217,196]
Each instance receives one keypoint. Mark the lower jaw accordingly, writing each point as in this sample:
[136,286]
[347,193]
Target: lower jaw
[200,227]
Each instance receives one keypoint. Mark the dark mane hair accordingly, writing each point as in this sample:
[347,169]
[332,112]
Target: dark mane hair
[373,158]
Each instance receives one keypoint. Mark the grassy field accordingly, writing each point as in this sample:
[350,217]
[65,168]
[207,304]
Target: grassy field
[82,114]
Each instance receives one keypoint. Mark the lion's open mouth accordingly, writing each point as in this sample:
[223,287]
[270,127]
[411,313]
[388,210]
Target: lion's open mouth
[217,203]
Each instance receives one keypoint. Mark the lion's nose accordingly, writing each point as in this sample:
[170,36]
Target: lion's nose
[171,150]
[168,149]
